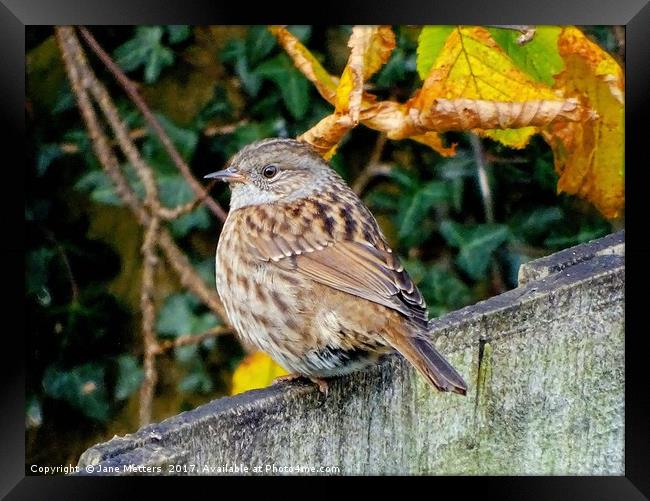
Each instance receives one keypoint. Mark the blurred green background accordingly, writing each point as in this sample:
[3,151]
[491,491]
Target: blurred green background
[216,89]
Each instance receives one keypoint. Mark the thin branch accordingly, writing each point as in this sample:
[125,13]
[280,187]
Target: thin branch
[483,177]
[131,89]
[482,167]
[218,130]
[189,339]
[174,256]
[72,148]
[148,321]
[171,214]
[73,59]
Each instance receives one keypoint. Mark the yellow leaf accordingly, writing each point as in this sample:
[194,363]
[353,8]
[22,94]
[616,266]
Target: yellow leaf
[257,370]
[370,48]
[589,155]
[471,65]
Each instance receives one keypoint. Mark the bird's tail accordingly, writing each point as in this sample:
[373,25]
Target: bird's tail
[421,353]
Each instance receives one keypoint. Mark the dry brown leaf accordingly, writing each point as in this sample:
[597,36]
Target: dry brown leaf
[306,63]
[370,48]
[326,134]
[465,114]
[589,155]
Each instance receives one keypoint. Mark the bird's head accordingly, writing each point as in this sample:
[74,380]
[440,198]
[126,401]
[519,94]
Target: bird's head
[274,170]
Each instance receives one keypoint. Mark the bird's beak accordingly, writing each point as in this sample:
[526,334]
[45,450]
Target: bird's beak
[229,175]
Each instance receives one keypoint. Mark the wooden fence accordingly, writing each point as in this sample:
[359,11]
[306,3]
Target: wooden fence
[545,368]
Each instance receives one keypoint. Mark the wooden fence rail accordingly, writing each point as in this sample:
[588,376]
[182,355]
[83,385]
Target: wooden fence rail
[545,368]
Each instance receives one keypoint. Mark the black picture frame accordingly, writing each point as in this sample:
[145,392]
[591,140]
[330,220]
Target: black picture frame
[15,15]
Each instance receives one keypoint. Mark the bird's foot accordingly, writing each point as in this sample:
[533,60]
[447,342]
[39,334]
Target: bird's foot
[286,378]
[322,384]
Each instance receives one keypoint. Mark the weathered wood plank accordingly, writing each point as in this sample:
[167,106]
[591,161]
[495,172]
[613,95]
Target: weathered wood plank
[545,365]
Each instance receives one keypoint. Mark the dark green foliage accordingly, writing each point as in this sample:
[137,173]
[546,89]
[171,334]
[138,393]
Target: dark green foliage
[82,387]
[147,49]
[82,272]
[476,245]
[129,376]
[179,316]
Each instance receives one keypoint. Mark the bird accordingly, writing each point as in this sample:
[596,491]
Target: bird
[306,275]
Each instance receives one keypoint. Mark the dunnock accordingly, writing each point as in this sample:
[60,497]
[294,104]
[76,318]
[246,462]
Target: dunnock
[305,273]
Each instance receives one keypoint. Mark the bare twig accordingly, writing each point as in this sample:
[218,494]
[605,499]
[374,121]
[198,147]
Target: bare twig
[73,59]
[217,130]
[131,89]
[483,178]
[189,339]
[148,212]
[148,321]
[482,167]
[189,278]
[72,148]
[170,214]
[174,256]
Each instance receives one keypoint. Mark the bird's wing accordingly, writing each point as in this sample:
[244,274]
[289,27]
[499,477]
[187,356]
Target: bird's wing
[357,266]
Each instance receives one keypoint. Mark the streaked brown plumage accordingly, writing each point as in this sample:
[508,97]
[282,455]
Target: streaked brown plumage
[306,275]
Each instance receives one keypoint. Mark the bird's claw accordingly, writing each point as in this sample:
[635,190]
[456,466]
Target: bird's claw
[322,384]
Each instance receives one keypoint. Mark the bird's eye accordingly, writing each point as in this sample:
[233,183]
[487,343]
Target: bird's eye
[269,171]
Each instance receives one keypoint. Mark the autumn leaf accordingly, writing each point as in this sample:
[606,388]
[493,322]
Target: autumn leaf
[539,57]
[305,61]
[370,48]
[431,41]
[257,370]
[589,155]
[471,65]
[490,82]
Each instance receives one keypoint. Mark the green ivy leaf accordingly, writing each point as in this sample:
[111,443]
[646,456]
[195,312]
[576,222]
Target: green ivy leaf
[532,224]
[539,57]
[587,232]
[178,33]
[431,41]
[82,387]
[234,52]
[100,188]
[46,155]
[183,138]
[175,191]
[198,380]
[396,68]
[250,132]
[259,43]
[477,245]
[292,84]
[176,317]
[145,49]
[418,207]
[129,376]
